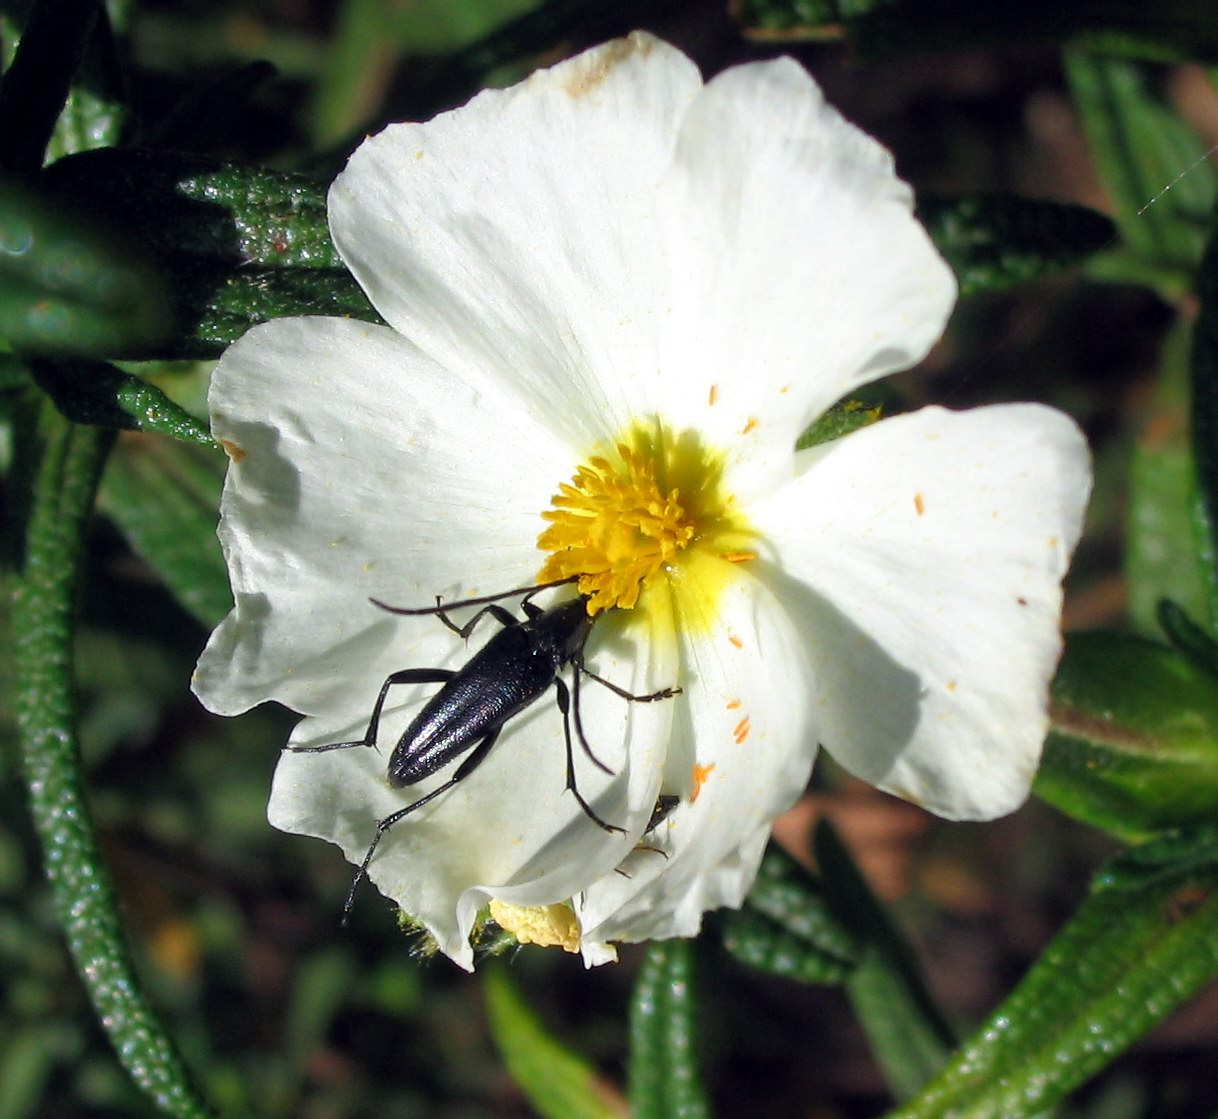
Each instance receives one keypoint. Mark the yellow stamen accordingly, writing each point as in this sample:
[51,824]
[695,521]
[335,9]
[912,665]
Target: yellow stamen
[547,925]
[631,511]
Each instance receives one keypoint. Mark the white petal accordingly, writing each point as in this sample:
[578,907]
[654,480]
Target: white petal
[507,830]
[925,556]
[747,725]
[799,271]
[358,469]
[515,236]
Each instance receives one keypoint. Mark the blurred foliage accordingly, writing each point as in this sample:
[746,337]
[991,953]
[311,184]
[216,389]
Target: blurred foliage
[195,142]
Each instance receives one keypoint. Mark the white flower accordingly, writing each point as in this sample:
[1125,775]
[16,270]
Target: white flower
[615,274]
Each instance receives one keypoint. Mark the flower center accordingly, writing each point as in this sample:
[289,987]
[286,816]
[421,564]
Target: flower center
[629,513]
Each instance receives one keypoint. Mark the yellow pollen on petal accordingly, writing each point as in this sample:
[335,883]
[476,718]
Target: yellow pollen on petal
[547,925]
[635,511]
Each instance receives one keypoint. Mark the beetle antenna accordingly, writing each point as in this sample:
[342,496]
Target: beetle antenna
[440,607]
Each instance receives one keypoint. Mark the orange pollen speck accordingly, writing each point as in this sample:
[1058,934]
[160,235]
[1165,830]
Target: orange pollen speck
[741,731]
[736,641]
[734,704]
[738,557]
[919,504]
[752,424]
[713,395]
[701,773]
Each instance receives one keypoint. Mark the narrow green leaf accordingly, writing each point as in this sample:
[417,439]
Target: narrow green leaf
[558,1083]
[321,985]
[95,392]
[1204,417]
[68,287]
[241,244]
[202,118]
[909,1037]
[14,373]
[840,420]
[665,1081]
[35,87]
[1165,543]
[1170,30]
[200,208]
[1123,963]
[95,111]
[1188,637]
[993,241]
[1134,744]
[164,498]
[1150,862]
[1142,147]
[68,462]
[787,928]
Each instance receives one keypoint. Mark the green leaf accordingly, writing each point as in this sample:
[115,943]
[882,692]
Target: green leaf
[1125,961]
[909,1037]
[1165,543]
[1204,415]
[370,37]
[1168,30]
[95,392]
[322,983]
[67,287]
[665,1082]
[242,244]
[35,87]
[163,497]
[66,461]
[786,927]
[839,421]
[1134,742]
[1188,637]
[1150,862]
[993,241]
[1143,148]
[558,1083]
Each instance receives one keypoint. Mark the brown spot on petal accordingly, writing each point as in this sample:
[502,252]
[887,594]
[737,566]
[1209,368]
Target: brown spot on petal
[235,453]
[585,78]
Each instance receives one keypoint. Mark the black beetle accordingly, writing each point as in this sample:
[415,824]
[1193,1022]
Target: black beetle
[508,674]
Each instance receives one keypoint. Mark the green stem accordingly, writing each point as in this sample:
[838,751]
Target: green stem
[909,1037]
[36,86]
[66,476]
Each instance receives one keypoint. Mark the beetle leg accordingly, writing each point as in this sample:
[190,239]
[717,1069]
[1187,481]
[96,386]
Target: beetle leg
[504,617]
[463,770]
[651,697]
[564,705]
[579,723]
[406,676]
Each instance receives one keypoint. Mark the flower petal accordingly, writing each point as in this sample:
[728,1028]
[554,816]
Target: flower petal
[923,557]
[741,753]
[798,270]
[358,468]
[515,237]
